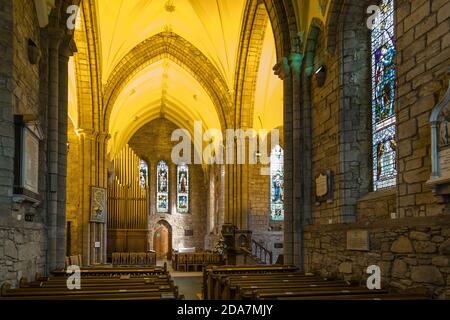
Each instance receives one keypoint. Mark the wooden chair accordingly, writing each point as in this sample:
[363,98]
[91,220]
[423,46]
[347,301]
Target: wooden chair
[182,262]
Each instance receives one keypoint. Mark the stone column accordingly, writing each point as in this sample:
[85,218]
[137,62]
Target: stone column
[295,61]
[94,173]
[65,51]
[282,69]
[55,36]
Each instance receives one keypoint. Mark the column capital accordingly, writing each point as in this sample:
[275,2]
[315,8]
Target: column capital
[93,135]
[282,68]
[67,46]
[296,60]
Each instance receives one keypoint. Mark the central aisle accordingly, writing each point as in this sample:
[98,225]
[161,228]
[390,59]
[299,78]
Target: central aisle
[189,283]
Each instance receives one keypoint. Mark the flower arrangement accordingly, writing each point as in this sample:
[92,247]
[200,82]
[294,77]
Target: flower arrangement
[221,247]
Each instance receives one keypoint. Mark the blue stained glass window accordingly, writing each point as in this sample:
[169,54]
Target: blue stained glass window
[277,184]
[183,188]
[383,98]
[162,187]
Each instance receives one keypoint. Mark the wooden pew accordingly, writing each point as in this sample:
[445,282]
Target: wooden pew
[238,291]
[112,284]
[194,261]
[264,283]
[212,276]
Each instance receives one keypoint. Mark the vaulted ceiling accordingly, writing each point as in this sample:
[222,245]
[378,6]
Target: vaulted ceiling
[165,87]
[213,26]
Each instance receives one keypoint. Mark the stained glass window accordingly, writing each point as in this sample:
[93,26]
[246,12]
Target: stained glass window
[383,98]
[162,188]
[143,174]
[277,184]
[182,188]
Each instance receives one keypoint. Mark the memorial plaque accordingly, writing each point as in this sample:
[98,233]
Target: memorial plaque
[98,205]
[188,233]
[324,187]
[278,246]
[30,161]
[28,134]
[358,240]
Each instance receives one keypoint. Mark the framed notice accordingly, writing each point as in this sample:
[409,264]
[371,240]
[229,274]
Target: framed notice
[98,205]
[28,135]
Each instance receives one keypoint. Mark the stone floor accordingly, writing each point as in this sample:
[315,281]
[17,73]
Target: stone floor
[189,283]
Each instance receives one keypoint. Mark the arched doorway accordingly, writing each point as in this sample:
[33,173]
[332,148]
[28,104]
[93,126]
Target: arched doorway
[162,240]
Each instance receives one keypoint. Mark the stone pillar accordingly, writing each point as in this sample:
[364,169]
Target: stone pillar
[55,36]
[295,61]
[65,51]
[282,69]
[94,173]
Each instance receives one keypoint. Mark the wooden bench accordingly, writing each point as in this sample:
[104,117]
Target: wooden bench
[112,284]
[133,259]
[194,261]
[212,276]
[266,283]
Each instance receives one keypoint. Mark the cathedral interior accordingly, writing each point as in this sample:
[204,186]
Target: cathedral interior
[193,140]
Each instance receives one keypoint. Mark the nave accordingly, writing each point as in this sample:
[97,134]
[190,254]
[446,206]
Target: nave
[225,149]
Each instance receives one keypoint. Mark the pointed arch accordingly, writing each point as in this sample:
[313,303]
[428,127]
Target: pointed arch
[173,46]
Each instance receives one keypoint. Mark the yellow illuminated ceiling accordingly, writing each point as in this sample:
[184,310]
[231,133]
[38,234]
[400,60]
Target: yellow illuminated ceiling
[213,26]
[268,109]
[162,89]
[165,88]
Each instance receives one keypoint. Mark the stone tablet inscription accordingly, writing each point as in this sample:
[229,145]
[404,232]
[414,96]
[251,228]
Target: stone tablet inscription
[358,240]
[30,161]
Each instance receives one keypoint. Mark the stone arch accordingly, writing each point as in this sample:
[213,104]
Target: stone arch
[182,52]
[250,49]
[333,18]
[87,64]
[284,25]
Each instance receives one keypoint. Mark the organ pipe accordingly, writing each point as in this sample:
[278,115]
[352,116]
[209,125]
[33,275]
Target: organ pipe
[127,199]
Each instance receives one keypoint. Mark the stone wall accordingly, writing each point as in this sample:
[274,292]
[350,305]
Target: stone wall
[423,59]
[22,243]
[408,228]
[152,143]
[411,252]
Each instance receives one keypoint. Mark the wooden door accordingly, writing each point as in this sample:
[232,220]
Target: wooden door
[161,242]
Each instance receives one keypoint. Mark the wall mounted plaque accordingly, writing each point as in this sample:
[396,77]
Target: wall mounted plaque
[98,205]
[28,134]
[358,240]
[324,187]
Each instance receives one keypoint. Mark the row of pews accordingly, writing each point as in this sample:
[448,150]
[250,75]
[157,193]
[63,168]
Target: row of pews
[276,282]
[98,283]
[133,258]
[194,261]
